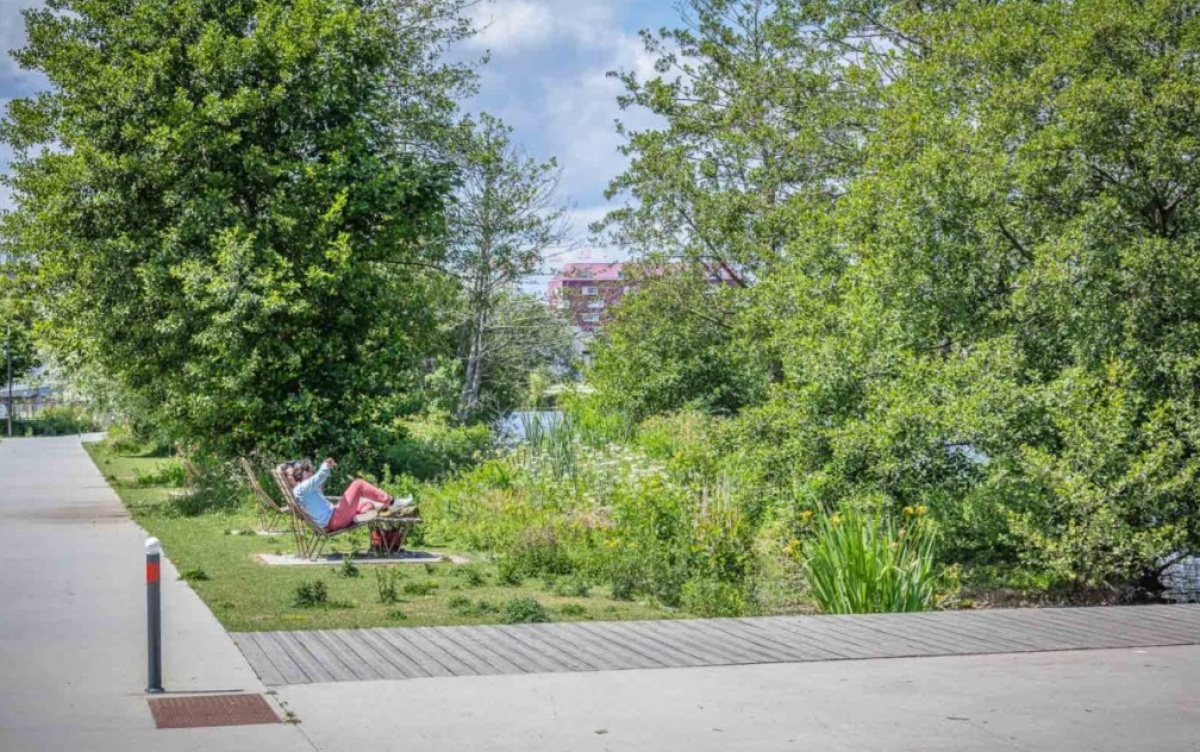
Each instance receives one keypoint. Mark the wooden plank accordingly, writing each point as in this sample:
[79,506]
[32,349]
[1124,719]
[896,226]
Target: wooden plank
[407,667]
[1071,629]
[929,629]
[1033,623]
[773,627]
[1042,637]
[532,639]
[611,653]
[635,639]
[882,638]
[991,641]
[711,650]
[303,658]
[1168,634]
[533,661]
[291,671]
[470,643]
[837,637]
[329,660]
[369,654]
[1109,634]
[705,630]
[405,644]
[258,660]
[451,655]
[779,646]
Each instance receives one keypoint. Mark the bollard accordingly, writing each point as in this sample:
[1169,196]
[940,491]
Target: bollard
[153,616]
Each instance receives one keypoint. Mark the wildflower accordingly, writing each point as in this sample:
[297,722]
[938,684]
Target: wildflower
[922,510]
[806,515]
[836,519]
[909,511]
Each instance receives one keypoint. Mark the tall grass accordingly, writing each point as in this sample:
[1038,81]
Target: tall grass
[859,563]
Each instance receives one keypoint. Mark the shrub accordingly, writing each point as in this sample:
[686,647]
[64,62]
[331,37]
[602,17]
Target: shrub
[471,574]
[572,609]
[420,588]
[538,551]
[430,448]
[310,594]
[712,598]
[348,568]
[860,563]
[525,610]
[194,575]
[385,584]
[572,587]
[508,574]
[170,474]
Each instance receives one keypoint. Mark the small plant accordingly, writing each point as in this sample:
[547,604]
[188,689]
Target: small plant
[473,576]
[430,568]
[348,568]
[572,587]
[572,609]
[420,588]
[859,563]
[397,614]
[466,607]
[310,594]
[385,584]
[509,574]
[193,575]
[525,610]
[710,599]
[458,603]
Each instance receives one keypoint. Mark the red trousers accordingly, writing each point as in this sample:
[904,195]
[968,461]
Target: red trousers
[360,496]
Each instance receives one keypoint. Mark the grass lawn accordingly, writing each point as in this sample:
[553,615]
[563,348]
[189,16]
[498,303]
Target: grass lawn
[247,595]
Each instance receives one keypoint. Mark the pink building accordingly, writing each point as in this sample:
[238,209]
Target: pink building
[588,292]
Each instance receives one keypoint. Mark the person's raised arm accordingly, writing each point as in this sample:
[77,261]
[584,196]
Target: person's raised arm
[317,480]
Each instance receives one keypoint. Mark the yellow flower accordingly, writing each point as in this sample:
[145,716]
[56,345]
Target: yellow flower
[922,509]
[836,519]
[806,515]
[909,511]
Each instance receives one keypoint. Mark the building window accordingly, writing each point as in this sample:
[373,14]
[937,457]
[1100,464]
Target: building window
[596,304]
[591,291]
[592,318]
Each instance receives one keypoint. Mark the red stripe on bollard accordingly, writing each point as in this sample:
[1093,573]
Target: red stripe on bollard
[152,571]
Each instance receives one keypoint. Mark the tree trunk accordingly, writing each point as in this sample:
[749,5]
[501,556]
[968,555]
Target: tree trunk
[473,379]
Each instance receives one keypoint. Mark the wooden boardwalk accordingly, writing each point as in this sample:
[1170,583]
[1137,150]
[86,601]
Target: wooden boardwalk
[420,652]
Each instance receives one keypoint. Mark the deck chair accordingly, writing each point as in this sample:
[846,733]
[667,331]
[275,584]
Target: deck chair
[270,512]
[310,537]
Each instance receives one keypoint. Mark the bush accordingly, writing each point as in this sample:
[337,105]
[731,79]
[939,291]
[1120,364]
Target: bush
[310,594]
[431,449]
[860,563]
[385,584]
[420,588]
[57,420]
[711,598]
[572,609]
[538,552]
[525,611]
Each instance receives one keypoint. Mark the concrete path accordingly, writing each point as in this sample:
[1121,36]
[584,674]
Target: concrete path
[1090,701]
[365,654]
[72,620]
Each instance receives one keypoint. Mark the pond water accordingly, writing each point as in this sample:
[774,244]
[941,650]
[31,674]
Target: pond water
[511,427]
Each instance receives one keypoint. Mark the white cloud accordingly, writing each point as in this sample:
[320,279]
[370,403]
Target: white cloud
[511,27]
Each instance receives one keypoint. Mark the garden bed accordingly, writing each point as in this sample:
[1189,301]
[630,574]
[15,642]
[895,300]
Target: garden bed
[247,595]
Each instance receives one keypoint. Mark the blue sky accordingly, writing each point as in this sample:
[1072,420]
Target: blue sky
[546,78]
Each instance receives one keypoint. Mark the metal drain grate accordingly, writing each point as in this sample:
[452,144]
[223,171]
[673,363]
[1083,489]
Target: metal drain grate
[211,710]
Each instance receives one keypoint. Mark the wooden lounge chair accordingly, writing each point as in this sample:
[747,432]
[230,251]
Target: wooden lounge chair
[270,512]
[310,537]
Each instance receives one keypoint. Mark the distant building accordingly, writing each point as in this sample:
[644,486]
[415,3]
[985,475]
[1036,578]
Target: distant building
[588,292]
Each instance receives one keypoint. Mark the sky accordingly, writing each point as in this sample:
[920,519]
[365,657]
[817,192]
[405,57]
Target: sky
[546,78]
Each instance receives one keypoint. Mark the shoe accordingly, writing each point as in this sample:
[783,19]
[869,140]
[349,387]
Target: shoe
[399,504]
[366,516]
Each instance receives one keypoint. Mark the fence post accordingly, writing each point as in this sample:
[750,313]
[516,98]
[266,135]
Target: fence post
[153,617]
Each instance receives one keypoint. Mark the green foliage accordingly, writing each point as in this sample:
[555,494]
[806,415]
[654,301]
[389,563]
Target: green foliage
[310,594]
[386,580]
[430,448]
[573,610]
[673,345]
[419,587]
[57,420]
[229,222]
[711,598]
[194,575]
[525,611]
[859,562]
[348,568]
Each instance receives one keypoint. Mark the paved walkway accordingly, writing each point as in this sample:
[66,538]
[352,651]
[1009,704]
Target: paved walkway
[73,620]
[371,654]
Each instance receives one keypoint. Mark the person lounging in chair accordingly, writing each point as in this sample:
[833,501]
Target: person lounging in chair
[361,502]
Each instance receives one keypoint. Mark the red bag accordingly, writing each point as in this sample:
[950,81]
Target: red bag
[387,541]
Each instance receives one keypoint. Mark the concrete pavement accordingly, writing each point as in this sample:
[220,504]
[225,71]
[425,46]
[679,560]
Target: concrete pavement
[1095,701]
[72,620]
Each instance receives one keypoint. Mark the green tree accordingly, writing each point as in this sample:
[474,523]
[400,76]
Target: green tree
[668,348]
[504,219]
[228,211]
